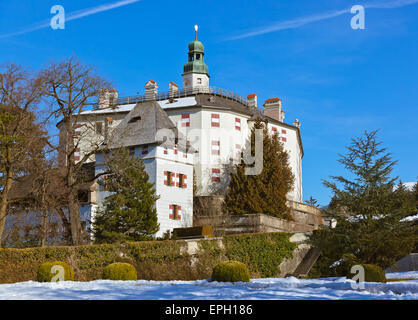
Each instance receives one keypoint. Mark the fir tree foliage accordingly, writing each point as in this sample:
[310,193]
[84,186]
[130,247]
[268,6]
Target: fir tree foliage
[266,192]
[128,212]
[370,211]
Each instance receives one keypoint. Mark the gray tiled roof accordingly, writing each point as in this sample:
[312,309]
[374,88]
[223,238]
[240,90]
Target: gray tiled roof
[141,125]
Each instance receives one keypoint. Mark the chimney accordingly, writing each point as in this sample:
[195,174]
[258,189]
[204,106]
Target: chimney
[104,98]
[296,123]
[273,109]
[151,90]
[172,89]
[252,101]
[113,98]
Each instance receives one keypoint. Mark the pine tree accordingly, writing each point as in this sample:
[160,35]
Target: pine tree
[265,192]
[128,213]
[312,202]
[368,209]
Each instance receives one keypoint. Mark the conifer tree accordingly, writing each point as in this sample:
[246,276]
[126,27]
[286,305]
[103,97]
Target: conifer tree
[128,212]
[265,192]
[370,212]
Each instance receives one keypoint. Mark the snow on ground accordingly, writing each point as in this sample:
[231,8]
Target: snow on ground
[269,288]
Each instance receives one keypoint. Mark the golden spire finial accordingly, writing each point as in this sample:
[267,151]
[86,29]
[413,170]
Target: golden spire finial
[196,27]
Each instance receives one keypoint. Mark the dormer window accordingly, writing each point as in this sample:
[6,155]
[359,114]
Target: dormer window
[134,119]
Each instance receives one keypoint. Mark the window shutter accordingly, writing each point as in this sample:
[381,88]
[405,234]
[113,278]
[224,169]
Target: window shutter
[216,175]
[216,149]
[171,211]
[77,154]
[165,178]
[215,120]
[184,181]
[179,213]
[185,120]
[238,124]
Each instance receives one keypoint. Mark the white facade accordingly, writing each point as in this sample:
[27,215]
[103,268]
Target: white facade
[198,124]
[158,161]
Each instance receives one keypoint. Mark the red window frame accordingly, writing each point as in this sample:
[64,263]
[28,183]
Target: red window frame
[216,151]
[238,124]
[185,120]
[215,123]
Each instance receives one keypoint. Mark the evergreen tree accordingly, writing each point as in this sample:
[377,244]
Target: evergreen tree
[265,192]
[312,202]
[370,212]
[128,213]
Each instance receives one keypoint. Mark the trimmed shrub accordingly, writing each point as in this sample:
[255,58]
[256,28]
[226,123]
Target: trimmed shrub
[231,271]
[49,271]
[120,271]
[373,273]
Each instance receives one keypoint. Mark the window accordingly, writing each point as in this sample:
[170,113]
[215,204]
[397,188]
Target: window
[83,196]
[199,80]
[145,149]
[216,149]
[98,127]
[185,120]
[284,139]
[198,56]
[238,124]
[77,154]
[134,119]
[168,178]
[215,120]
[274,131]
[182,180]
[284,131]
[175,212]
[77,129]
[216,175]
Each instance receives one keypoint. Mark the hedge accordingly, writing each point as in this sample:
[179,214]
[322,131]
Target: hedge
[154,260]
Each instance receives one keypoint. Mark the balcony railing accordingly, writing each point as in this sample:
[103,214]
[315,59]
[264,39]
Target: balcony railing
[184,93]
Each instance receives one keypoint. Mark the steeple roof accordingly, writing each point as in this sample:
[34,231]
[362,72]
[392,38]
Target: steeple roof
[196,63]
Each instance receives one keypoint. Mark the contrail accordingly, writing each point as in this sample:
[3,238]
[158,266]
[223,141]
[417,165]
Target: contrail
[295,23]
[72,16]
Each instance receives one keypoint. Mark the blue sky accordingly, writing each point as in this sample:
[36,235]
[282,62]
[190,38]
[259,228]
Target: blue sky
[337,81]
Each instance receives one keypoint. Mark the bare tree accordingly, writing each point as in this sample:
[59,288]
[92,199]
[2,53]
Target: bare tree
[69,87]
[21,138]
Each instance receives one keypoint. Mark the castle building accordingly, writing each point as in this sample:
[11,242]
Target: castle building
[216,123]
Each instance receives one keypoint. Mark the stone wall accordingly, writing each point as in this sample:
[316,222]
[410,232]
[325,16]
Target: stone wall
[208,211]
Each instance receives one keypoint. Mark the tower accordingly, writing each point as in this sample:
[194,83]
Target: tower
[195,71]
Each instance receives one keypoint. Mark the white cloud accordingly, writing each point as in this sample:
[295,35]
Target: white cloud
[298,22]
[72,16]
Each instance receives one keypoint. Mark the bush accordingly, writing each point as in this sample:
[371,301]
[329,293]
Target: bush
[372,273]
[47,271]
[120,271]
[231,271]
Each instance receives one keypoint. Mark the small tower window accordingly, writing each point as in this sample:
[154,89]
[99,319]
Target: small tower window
[199,80]
[198,56]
